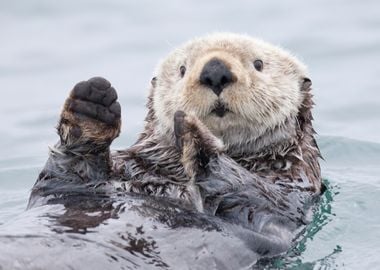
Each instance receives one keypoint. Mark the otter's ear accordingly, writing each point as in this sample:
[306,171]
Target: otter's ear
[154,81]
[306,84]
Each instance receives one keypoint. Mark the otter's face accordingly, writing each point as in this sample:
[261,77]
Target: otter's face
[239,87]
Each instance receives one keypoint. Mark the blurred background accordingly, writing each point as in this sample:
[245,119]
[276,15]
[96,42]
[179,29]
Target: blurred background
[46,46]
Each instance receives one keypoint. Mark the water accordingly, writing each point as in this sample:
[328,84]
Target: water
[47,46]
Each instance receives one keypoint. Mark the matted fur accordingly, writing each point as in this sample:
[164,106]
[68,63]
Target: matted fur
[257,166]
[269,131]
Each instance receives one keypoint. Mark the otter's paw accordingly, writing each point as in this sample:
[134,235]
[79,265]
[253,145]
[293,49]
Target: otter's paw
[190,131]
[195,141]
[96,99]
[91,113]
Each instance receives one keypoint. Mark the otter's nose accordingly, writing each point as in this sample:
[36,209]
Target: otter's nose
[216,76]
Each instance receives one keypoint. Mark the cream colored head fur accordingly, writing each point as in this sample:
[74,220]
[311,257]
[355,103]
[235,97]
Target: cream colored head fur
[259,102]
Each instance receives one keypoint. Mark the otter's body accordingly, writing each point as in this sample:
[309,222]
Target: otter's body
[228,134]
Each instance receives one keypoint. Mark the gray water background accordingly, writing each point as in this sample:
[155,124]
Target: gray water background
[46,46]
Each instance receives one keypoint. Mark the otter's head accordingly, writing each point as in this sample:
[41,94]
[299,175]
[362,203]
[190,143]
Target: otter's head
[241,88]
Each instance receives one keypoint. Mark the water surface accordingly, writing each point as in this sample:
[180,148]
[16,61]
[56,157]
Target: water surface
[47,46]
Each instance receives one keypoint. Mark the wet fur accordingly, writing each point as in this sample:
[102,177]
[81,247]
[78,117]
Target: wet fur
[258,168]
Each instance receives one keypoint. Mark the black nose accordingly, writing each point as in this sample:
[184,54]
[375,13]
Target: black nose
[216,76]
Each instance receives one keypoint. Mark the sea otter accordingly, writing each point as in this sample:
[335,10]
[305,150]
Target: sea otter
[228,134]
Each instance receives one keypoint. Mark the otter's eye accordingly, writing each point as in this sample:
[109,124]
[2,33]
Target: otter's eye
[182,70]
[258,65]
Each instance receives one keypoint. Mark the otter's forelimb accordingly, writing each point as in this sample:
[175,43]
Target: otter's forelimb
[89,122]
[196,145]
[195,142]
[229,190]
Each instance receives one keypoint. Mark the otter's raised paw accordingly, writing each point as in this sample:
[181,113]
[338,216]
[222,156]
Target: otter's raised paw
[95,98]
[91,112]
[195,141]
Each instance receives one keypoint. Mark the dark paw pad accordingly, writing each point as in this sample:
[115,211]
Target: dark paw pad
[97,90]
[99,83]
[96,98]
